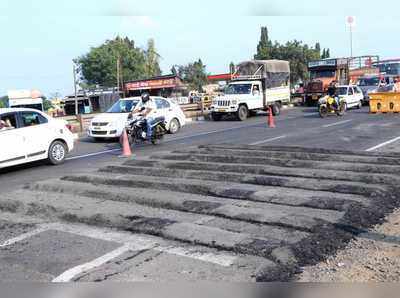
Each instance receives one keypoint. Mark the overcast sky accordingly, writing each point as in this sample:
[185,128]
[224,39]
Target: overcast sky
[40,41]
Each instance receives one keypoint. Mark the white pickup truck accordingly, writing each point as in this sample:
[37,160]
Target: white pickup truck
[255,85]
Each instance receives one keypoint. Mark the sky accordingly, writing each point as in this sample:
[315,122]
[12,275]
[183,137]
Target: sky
[39,39]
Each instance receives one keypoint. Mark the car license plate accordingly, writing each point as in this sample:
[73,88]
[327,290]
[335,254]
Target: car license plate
[221,110]
[96,128]
[315,97]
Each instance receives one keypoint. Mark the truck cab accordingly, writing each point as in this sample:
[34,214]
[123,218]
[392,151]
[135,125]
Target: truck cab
[256,85]
[322,74]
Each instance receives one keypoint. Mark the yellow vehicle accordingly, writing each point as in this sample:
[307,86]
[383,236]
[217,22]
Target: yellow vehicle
[330,105]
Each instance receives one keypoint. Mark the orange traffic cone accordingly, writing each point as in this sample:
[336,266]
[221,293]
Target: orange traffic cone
[271,121]
[126,148]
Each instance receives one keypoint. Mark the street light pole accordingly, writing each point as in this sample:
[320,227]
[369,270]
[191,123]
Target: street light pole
[351,41]
[76,97]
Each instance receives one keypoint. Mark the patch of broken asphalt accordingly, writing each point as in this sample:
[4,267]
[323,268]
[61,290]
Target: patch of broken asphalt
[372,256]
[286,207]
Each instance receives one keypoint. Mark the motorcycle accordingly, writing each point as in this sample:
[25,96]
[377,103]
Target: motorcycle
[330,105]
[136,129]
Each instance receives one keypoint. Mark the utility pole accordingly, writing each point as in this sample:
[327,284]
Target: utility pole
[122,79]
[351,41]
[76,97]
[118,73]
[351,23]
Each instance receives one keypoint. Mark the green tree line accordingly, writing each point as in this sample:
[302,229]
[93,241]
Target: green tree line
[295,51]
[99,65]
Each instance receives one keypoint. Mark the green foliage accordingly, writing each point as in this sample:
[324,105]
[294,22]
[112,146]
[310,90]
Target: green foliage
[297,53]
[47,105]
[325,54]
[152,66]
[99,66]
[232,68]
[264,47]
[3,101]
[194,74]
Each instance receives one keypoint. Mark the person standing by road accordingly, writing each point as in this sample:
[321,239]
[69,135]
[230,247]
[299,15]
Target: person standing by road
[396,85]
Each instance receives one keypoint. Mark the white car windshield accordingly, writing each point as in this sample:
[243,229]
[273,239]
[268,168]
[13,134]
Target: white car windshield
[368,82]
[123,106]
[238,89]
[341,91]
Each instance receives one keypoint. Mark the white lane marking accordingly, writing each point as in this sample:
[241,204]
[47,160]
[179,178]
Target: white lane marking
[139,243]
[68,275]
[220,259]
[383,144]
[268,140]
[129,242]
[310,114]
[24,236]
[337,123]
[213,131]
[93,154]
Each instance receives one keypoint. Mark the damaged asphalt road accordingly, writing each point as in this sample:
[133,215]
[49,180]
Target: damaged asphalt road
[212,212]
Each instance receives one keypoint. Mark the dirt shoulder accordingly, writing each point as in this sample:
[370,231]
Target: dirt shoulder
[370,257]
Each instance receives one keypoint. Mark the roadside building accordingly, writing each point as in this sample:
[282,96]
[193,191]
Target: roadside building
[25,99]
[91,100]
[167,86]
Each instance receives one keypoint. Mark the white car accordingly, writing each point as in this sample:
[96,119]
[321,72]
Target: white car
[112,123]
[30,135]
[352,96]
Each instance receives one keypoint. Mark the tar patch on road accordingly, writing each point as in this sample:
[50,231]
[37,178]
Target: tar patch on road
[48,254]
[288,206]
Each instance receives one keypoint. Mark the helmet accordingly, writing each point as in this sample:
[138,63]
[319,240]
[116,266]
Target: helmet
[145,97]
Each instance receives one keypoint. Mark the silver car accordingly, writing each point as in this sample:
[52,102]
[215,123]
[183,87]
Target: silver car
[371,84]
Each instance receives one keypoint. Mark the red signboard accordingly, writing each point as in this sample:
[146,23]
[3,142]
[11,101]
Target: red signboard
[224,76]
[151,84]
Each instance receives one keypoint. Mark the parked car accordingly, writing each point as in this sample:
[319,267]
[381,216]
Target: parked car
[29,135]
[112,123]
[352,96]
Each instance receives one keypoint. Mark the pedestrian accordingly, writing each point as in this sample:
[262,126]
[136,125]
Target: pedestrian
[396,85]
[3,125]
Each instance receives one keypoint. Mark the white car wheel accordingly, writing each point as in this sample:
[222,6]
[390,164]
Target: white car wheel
[174,126]
[57,153]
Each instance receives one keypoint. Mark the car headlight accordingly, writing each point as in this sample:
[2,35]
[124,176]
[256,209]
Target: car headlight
[214,102]
[234,102]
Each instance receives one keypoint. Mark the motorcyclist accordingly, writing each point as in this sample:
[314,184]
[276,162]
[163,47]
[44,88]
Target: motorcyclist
[332,93]
[146,108]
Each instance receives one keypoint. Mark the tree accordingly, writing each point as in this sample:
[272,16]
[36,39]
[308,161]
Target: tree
[98,67]
[318,49]
[47,105]
[174,71]
[325,54]
[194,74]
[152,67]
[264,46]
[3,101]
[232,68]
[296,52]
